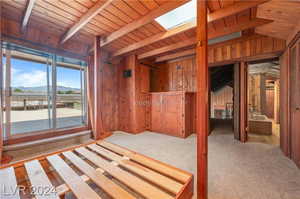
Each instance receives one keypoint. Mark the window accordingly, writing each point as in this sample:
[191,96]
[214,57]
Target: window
[178,16]
[34,82]
[70,110]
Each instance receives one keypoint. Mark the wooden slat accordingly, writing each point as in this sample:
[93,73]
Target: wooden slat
[130,180]
[98,178]
[151,163]
[142,21]
[27,14]
[80,189]
[154,177]
[8,184]
[96,9]
[39,179]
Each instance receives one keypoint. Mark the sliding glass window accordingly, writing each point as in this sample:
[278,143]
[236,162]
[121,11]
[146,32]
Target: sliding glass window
[70,100]
[34,81]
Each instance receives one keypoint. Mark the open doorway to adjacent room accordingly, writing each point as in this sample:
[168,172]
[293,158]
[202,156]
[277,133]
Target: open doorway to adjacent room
[263,102]
[221,99]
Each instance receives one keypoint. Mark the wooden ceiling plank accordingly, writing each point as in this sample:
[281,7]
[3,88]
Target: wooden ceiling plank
[234,9]
[119,13]
[121,5]
[214,16]
[96,9]
[192,41]
[142,21]
[150,4]
[112,18]
[27,14]
[139,7]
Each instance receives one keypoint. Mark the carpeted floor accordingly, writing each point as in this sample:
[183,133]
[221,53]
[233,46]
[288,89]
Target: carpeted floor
[236,170]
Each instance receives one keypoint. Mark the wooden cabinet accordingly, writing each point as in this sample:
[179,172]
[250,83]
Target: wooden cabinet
[173,113]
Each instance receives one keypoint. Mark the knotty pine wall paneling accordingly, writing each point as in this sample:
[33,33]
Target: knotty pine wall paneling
[110,94]
[133,96]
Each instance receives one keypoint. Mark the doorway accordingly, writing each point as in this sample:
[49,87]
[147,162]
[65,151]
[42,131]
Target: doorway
[221,99]
[263,102]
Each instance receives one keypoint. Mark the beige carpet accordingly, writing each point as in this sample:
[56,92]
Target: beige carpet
[236,170]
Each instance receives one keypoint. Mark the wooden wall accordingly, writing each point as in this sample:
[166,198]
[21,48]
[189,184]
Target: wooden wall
[269,111]
[177,75]
[133,96]
[110,94]
[42,39]
[257,93]
[220,98]
[245,49]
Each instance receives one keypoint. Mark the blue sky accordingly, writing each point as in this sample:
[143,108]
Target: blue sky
[31,74]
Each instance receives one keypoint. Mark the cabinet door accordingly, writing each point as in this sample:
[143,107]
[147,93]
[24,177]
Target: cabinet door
[156,112]
[173,114]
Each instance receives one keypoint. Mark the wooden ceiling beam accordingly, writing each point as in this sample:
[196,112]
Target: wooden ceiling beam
[86,18]
[236,28]
[142,21]
[219,14]
[176,55]
[27,13]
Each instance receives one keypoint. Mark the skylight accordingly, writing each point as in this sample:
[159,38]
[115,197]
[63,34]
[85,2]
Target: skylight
[178,16]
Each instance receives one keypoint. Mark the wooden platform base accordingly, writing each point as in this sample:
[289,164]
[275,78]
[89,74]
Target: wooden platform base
[94,171]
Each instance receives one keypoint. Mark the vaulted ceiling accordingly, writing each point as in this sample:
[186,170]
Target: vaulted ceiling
[128,26]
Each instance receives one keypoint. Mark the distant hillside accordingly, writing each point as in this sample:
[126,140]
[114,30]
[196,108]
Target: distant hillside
[44,89]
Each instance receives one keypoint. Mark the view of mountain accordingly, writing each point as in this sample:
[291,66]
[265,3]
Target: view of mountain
[44,89]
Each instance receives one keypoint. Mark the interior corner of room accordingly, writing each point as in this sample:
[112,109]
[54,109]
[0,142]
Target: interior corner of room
[150,98]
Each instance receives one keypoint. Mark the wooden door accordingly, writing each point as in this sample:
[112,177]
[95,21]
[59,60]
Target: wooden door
[295,102]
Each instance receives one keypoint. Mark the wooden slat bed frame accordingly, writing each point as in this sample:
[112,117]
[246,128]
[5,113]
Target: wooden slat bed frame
[96,170]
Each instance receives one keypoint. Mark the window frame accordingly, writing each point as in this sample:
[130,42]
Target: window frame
[52,131]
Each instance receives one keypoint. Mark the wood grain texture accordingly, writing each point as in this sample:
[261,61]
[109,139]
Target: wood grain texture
[168,6]
[247,47]
[109,90]
[39,179]
[98,78]
[102,181]
[202,100]
[86,18]
[97,170]
[294,71]
[243,102]
[171,113]
[8,181]
[80,189]
[130,180]
[284,105]
[42,39]
[133,95]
